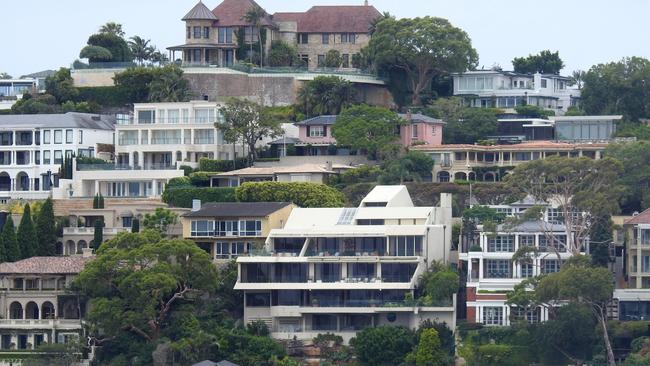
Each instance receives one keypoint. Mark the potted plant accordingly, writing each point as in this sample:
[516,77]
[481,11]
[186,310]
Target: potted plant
[314,303]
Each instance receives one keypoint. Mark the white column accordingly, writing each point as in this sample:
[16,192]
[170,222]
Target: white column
[96,186]
[480,269]
[469,269]
[154,188]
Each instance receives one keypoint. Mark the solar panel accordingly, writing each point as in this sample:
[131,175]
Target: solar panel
[346,216]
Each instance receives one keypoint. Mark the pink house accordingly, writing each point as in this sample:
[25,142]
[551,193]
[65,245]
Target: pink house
[315,135]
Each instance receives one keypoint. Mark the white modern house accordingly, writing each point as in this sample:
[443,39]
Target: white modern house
[11,90]
[507,90]
[163,135]
[32,148]
[341,270]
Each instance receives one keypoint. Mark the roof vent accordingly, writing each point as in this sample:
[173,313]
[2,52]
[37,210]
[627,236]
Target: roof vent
[96,118]
[635,214]
[196,205]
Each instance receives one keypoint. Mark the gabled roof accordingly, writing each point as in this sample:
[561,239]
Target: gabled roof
[420,118]
[335,19]
[46,265]
[238,209]
[230,13]
[199,12]
[642,218]
[318,121]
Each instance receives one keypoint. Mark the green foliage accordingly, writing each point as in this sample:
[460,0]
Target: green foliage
[302,194]
[533,111]
[179,182]
[40,104]
[257,328]
[573,332]
[366,128]
[630,129]
[133,83]
[96,54]
[109,96]
[114,44]
[383,345]
[26,235]
[575,111]
[422,48]
[45,230]
[61,86]
[546,62]
[160,220]
[55,354]
[362,174]
[324,95]
[333,59]
[635,177]
[98,233]
[169,85]
[248,122]
[428,351]
[183,196]
[9,248]
[135,225]
[201,179]
[471,125]
[618,88]
[144,84]
[600,238]
[283,54]
[413,166]
[211,165]
[141,49]
[440,283]
[90,160]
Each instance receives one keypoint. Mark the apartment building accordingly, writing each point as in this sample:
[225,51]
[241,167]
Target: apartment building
[557,128]
[491,162]
[229,230]
[340,270]
[491,272]
[32,148]
[507,90]
[212,36]
[35,304]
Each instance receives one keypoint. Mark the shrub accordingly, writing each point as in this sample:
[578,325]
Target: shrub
[384,345]
[179,182]
[211,165]
[187,170]
[109,96]
[495,354]
[183,196]
[301,193]
[201,179]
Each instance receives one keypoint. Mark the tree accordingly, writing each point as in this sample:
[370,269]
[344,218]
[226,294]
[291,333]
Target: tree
[422,48]
[618,88]
[303,194]
[26,235]
[40,104]
[581,187]
[583,284]
[55,354]
[366,128]
[9,242]
[61,86]
[135,225]
[45,230]
[141,48]
[472,125]
[440,283]
[248,122]
[533,111]
[160,220]
[324,95]
[4,76]
[141,286]
[428,352]
[636,173]
[412,166]
[383,345]
[577,78]
[545,62]
[98,233]
[169,85]
[333,59]
[116,45]
[600,239]
[96,54]
[254,16]
[283,54]
[112,28]
[134,83]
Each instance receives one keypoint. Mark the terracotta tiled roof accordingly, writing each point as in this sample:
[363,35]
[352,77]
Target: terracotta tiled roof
[46,265]
[199,12]
[230,12]
[523,146]
[332,19]
[642,218]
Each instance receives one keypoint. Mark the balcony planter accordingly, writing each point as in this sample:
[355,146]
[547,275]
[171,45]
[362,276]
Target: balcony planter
[476,248]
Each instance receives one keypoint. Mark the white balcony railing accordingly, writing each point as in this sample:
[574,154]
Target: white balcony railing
[91,230]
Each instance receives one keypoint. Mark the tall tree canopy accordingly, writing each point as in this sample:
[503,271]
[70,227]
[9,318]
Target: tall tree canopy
[115,44]
[366,128]
[112,28]
[618,88]
[465,125]
[45,230]
[545,62]
[61,86]
[422,48]
[324,95]
[9,242]
[26,235]
[636,173]
[169,85]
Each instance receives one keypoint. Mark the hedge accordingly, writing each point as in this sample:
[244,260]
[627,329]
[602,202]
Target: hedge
[211,165]
[301,193]
[182,196]
[108,96]
[201,179]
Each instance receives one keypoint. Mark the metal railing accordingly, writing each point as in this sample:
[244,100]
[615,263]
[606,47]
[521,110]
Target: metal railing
[93,167]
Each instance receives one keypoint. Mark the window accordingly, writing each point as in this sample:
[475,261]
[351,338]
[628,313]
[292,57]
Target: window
[127,221]
[501,243]
[531,316]
[206,32]
[370,222]
[58,136]
[189,33]
[250,228]
[81,136]
[645,263]
[68,136]
[321,60]
[146,117]
[555,242]
[258,300]
[226,228]
[544,83]
[197,32]
[526,270]
[550,266]
[202,228]
[225,35]
[527,240]
[46,157]
[493,315]
[58,157]
[68,154]
[46,136]
[498,268]
[305,59]
[348,38]
[325,38]
[223,250]
[250,34]
[346,60]
[316,131]
[303,38]
[554,216]
[405,246]
[414,131]
[644,236]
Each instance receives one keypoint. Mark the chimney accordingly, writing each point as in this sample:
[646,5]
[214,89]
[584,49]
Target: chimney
[196,205]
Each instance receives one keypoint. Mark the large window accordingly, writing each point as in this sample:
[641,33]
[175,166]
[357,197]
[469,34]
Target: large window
[348,38]
[498,268]
[46,137]
[552,243]
[303,38]
[644,236]
[225,35]
[250,228]
[397,272]
[58,156]
[204,115]
[501,244]
[325,38]
[68,136]
[197,32]
[475,83]
[493,315]
[527,240]
[258,299]
[405,246]
[250,34]
[46,157]
[327,272]
[227,228]
[316,131]
[526,270]
[58,136]
[550,266]
[206,32]
[202,228]
[324,322]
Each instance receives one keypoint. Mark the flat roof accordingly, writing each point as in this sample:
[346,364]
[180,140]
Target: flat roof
[238,209]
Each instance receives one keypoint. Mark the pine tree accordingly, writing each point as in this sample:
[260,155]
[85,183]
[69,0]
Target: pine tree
[135,226]
[45,229]
[96,201]
[10,248]
[27,235]
[100,201]
[98,237]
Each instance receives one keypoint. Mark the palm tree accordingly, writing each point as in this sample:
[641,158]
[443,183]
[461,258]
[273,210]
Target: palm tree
[169,86]
[112,28]
[254,17]
[578,77]
[141,49]
[158,57]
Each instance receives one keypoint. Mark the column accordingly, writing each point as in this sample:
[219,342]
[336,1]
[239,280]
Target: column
[639,261]
[191,136]
[480,269]
[378,271]
[598,154]
[469,269]
[154,188]
[131,157]
[97,186]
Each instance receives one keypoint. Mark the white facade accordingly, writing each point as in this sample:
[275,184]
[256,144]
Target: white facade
[342,269]
[171,135]
[13,89]
[32,148]
[507,90]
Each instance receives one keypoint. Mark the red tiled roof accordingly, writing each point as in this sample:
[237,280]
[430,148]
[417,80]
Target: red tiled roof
[522,146]
[46,265]
[230,13]
[332,19]
[642,218]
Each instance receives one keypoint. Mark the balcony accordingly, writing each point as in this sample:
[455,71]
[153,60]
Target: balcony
[63,324]
[91,230]
[95,167]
